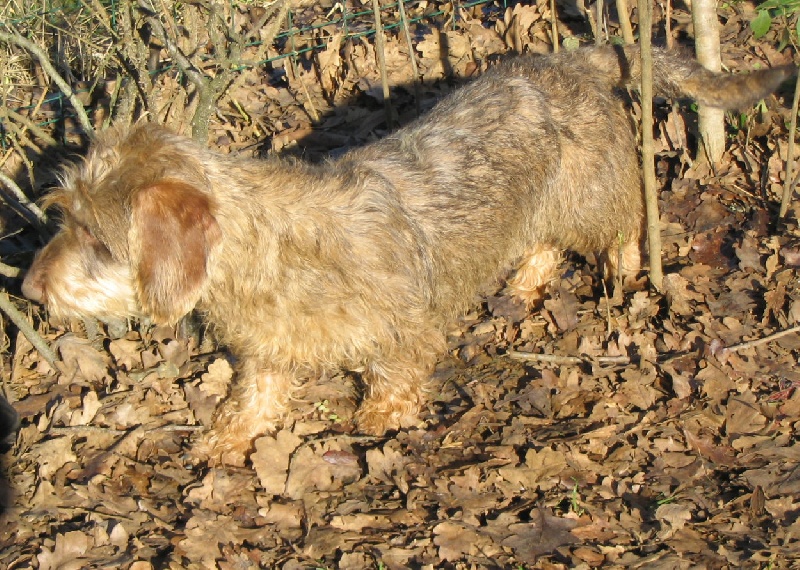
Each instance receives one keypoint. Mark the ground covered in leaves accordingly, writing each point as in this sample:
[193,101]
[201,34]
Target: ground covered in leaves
[650,430]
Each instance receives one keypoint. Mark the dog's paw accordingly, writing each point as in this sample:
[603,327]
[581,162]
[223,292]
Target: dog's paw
[213,450]
[378,420]
[228,443]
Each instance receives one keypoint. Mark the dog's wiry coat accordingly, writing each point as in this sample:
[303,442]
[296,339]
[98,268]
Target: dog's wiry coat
[359,263]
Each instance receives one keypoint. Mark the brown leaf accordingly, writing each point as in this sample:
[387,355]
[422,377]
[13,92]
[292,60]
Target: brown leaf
[271,460]
[68,552]
[743,416]
[457,540]
[681,300]
[563,306]
[82,359]
[542,535]
[718,454]
[748,254]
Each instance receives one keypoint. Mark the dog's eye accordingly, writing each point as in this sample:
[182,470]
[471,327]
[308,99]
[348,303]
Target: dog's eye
[88,240]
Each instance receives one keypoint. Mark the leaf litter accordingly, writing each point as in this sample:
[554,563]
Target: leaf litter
[646,430]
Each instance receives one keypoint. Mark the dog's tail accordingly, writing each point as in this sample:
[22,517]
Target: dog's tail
[678,76]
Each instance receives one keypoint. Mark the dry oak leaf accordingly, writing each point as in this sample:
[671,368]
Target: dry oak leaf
[387,465]
[215,382]
[81,359]
[542,470]
[67,553]
[271,460]
[563,307]
[675,515]
[310,472]
[676,290]
[718,454]
[458,540]
[126,353]
[743,416]
[89,407]
[543,534]
[52,455]
[748,254]
[360,521]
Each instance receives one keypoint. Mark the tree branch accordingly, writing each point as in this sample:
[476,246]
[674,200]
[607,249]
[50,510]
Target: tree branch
[25,328]
[44,61]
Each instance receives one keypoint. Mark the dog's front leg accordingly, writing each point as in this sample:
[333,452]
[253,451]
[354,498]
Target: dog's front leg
[394,392]
[258,400]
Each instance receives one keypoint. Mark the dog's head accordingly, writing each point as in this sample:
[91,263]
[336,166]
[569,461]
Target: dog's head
[138,228]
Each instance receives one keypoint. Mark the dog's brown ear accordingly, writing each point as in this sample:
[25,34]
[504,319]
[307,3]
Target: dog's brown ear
[172,231]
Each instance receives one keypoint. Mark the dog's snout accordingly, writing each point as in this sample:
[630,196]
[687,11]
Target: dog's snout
[33,285]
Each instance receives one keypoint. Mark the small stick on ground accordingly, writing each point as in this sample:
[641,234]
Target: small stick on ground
[48,68]
[561,359]
[764,340]
[9,271]
[380,42]
[554,26]
[26,209]
[25,328]
[411,56]
[789,182]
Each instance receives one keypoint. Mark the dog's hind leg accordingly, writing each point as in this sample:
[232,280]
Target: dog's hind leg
[534,273]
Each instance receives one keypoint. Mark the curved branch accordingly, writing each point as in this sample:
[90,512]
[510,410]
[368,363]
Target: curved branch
[27,207]
[25,328]
[44,61]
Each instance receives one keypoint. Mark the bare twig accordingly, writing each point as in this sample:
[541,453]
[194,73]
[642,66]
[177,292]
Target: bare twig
[554,26]
[598,38]
[89,429]
[562,359]
[380,42]
[763,340]
[411,55]
[44,61]
[9,271]
[710,121]
[25,328]
[309,103]
[29,125]
[668,24]
[608,306]
[26,207]
[788,182]
[650,196]
[187,67]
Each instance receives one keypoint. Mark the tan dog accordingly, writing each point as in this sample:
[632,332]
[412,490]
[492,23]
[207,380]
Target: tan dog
[360,263]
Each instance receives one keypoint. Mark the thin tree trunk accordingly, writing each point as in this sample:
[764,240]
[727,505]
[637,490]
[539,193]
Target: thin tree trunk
[648,162]
[789,181]
[711,122]
[624,15]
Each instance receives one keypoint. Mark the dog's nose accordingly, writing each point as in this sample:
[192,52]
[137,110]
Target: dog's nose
[33,286]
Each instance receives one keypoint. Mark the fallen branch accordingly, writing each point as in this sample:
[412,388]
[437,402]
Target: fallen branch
[26,208]
[25,328]
[623,360]
[563,359]
[92,429]
[380,43]
[764,340]
[48,68]
[9,271]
